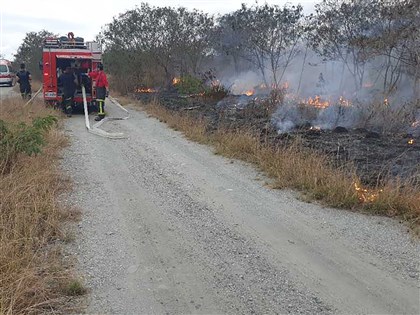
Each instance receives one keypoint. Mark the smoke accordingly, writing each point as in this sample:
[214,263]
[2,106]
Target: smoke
[294,115]
[288,117]
[309,77]
[234,101]
[337,115]
[239,84]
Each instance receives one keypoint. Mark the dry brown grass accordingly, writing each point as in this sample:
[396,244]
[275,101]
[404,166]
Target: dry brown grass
[123,100]
[193,129]
[31,270]
[35,86]
[13,110]
[302,169]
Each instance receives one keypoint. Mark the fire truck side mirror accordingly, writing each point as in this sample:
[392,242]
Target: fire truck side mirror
[40,65]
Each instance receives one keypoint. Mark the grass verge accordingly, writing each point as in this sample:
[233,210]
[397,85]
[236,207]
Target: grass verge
[307,171]
[32,272]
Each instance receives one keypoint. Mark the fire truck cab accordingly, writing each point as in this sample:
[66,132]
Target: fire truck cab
[62,52]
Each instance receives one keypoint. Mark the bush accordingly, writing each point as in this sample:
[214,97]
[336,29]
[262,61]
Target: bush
[217,91]
[190,85]
[21,138]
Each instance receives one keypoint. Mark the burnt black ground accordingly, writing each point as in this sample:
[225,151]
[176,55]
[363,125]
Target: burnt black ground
[375,156]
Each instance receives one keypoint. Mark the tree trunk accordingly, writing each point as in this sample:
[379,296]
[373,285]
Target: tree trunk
[301,72]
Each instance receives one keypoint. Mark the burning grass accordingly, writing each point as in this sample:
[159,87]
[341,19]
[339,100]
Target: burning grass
[32,274]
[306,170]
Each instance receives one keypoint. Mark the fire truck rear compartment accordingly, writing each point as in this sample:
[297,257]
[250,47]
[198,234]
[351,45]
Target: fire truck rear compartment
[80,68]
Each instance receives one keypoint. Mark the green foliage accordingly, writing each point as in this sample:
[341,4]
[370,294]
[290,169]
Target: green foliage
[155,43]
[44,123]
[21,138]
[190,85]
[30,52]
[3,129]
[74,288]
[26,139]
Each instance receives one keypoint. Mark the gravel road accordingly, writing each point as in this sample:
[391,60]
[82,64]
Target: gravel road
[170,228]
[6,91]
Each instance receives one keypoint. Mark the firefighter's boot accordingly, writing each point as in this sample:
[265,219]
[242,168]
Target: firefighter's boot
[67,106]
[101,113]
[69,110]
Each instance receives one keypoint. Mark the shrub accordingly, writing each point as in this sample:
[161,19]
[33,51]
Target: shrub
[217,91]
[190,85]
[22,138]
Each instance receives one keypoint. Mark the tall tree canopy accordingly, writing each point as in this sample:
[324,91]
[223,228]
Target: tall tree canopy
[30,52]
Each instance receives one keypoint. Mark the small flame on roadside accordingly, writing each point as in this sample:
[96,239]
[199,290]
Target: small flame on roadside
[249,93]
[317,102]
[175,81]
[411,142]
[366,195]
[146,90]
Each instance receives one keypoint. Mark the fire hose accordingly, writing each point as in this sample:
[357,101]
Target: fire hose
[33,97]
[95,128]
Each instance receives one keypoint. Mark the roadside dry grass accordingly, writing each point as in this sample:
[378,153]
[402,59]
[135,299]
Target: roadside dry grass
[35,86]
[33,278]
[307,171]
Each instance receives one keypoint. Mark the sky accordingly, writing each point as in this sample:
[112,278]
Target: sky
[85,18]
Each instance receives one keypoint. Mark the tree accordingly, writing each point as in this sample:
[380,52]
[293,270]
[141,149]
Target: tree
[272,36]
[396,39]
[175,39]
[195,29]
[30,52]
[340,30]
[230,38]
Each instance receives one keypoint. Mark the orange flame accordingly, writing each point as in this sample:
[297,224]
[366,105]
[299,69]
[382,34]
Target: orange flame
[411,141]
[366,195]
[146,90]
[344,102]
[249,93]
[317,102]
[175,81]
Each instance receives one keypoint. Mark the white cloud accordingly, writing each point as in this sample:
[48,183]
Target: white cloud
[85,18]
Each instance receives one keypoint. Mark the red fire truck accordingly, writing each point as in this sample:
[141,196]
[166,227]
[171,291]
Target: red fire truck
[68,51]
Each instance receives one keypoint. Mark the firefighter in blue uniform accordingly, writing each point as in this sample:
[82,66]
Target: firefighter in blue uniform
[68,82]
[24,80]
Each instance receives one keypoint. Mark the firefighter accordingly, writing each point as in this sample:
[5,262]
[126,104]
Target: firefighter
[68,81]
[101,90]
[24,80]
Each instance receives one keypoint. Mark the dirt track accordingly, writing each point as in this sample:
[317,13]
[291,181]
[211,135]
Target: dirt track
[168,227]
[6,91]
